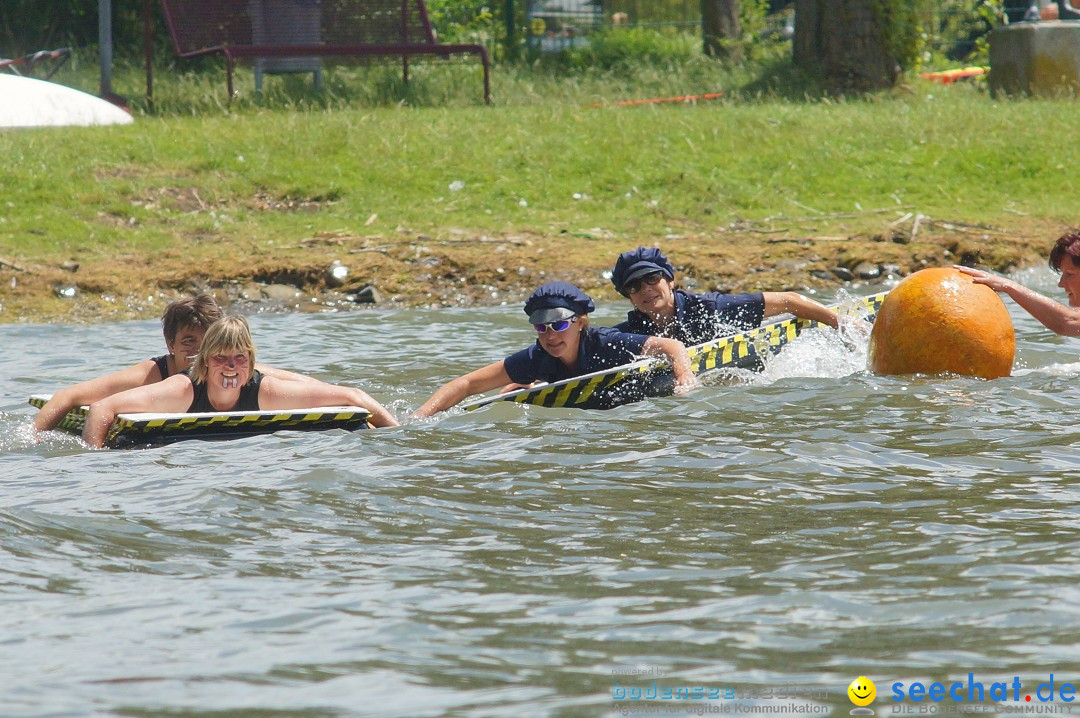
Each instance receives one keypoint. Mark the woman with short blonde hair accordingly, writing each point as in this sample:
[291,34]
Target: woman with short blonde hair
[224,379]
[226,335]
[184,324]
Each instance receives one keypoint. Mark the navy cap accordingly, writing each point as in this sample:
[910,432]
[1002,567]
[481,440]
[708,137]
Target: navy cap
[557,300]
[638,263]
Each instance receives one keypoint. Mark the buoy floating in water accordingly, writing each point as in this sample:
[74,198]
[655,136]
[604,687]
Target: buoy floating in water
[939,320]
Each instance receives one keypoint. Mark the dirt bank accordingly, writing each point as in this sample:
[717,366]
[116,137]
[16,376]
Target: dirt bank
[467,269]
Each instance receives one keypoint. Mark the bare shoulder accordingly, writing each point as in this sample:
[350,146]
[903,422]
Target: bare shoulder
[171,395]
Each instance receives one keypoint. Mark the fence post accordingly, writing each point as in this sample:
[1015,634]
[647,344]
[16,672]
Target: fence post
[106,47]
[511,30]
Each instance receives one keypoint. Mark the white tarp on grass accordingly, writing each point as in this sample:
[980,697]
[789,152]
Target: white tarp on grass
[25,102]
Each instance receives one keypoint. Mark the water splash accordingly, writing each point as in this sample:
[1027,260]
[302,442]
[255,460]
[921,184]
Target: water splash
[822,353]
[17,436]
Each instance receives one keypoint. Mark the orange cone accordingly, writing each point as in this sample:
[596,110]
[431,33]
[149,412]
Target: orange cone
[939,320]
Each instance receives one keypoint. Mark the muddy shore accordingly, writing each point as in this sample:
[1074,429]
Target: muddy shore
[461,268]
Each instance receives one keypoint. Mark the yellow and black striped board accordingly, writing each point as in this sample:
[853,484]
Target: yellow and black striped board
[652,377]
[73,421]
[131,430]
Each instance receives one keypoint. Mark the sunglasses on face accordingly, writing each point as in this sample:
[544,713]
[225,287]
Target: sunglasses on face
[634,286]
[560,326]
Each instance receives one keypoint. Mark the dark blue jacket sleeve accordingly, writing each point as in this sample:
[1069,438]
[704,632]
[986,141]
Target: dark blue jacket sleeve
[632,325]
[745,311]
[523,367]
[610,348]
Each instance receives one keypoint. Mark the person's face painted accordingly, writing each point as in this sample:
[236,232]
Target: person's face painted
[229,369]
[185,345]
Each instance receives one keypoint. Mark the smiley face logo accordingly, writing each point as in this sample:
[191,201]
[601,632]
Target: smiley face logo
[862,691]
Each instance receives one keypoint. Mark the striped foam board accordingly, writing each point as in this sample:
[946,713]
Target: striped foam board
[652,377]
[145,429]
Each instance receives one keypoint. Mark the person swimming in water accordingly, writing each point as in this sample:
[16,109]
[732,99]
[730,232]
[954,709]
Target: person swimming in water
[566,347]
[647,279]
[1055,316]
[183,323]
[223,378]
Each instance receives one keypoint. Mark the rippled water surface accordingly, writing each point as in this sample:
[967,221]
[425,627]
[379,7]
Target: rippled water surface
[799,529]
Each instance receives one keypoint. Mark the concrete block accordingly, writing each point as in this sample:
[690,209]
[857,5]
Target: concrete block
[1035,58]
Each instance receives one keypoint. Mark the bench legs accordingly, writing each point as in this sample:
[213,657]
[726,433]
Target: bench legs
[230,65]
[487,75]
[261,72]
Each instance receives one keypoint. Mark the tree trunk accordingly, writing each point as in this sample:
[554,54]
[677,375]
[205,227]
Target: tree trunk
[720,28]
[842,41]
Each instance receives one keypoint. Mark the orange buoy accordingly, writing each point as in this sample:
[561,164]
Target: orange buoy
[939,320]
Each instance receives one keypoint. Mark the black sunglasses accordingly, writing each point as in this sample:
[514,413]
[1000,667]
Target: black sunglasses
[634,285]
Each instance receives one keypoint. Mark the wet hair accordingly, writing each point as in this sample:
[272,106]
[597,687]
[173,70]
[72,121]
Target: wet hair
[200,311]
[227,335]
[1067,245]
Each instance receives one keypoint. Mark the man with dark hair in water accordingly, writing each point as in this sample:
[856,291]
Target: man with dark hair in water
[183,323]
[224,378]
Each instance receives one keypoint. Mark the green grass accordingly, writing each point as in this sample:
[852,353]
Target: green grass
[201,169]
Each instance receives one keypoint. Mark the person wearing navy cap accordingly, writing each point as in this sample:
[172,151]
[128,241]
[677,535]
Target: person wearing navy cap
[647,279]
[566,347]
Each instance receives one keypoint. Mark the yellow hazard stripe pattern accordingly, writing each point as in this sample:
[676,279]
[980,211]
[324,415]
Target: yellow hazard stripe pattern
[739,350]
[73,421]
[208,425]
[580,391]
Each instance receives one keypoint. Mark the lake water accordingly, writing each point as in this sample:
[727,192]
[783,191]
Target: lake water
[791,533]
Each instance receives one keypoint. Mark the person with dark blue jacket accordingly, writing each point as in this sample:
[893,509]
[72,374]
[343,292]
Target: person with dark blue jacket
[647,279]
[566,347]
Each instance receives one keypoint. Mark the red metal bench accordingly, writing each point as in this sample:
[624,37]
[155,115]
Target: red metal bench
[291,35]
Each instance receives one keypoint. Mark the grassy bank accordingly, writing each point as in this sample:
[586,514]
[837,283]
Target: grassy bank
[744,192]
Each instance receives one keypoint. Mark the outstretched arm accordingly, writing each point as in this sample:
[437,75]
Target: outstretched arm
[87,392]
[675,352]
[1054,316]
[802,307]
[172,395]
[454,391]
[276,393]
[285,374]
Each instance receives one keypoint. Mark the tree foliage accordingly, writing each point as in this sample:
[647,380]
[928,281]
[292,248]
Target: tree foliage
[913,30]
[30,25]
[900,23]
[465,20]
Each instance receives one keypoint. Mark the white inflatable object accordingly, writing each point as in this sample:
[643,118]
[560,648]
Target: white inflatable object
[25,102]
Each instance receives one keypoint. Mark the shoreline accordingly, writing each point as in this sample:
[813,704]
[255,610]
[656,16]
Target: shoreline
[461,269]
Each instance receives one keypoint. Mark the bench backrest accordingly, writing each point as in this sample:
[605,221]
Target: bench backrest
[199,24]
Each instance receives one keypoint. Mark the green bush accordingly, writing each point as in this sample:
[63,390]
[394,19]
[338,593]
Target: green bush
[463,21]
[616,48]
